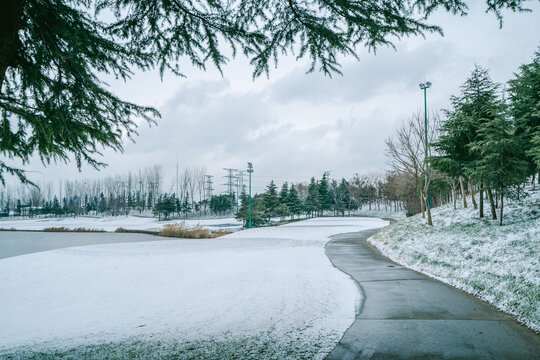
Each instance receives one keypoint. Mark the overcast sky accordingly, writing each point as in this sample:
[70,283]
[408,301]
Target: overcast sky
[295,125]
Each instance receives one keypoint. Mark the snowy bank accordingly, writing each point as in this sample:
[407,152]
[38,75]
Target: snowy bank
[111,223]
[500,265]
[266,293]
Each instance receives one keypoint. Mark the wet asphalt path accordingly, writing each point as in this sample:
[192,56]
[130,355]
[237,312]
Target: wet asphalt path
[407,315]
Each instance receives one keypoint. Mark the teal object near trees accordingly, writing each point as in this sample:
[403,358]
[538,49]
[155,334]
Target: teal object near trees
[425,86]
[250,170]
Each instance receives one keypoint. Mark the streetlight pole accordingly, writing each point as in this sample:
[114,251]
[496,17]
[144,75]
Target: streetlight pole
[250,170]
[425,86]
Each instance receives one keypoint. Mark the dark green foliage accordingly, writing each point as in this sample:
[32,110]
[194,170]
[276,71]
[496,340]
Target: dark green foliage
[293,202]
[478,103]
[271,199]
[284,193]
[258,211]
[165,206]
[325,198]
[220,203]
[500,161]
[313,202]
[525,108]
[56,208]
[51,101]
[282,211]
[53,54]
[534,152]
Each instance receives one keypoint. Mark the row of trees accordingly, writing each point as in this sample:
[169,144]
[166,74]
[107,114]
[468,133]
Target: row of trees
[113,195]
[320,197]
[492,137]
[142,192]
[487,142]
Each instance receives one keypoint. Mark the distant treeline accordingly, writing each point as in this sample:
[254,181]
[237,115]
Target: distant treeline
[142,193]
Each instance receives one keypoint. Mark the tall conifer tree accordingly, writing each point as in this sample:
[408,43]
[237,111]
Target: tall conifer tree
[525,108]
[478,103]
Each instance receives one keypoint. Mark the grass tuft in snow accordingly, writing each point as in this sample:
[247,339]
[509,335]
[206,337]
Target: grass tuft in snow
[180,230]
[66,229]
[498,264]
[263,347]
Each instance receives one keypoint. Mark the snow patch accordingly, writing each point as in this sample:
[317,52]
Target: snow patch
[273,282]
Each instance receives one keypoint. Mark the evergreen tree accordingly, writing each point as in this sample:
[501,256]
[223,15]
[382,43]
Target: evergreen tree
[500,164]
[186,205]
[282,211]
[53,54]
[102,204]
[258,211]
[534,151]
[345,196]
[525,108]
[284,193]
[149,200]
[478,103]
[313,203]
[325,198]
[271,199]
[293,202]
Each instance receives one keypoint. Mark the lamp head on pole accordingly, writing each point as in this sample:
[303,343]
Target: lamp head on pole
[425,85]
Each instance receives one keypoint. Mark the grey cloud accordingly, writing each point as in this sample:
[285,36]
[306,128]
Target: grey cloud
[365,78]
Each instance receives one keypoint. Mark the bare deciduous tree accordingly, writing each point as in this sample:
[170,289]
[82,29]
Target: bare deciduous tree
[407,153]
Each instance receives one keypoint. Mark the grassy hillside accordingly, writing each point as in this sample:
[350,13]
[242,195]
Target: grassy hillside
[500,265]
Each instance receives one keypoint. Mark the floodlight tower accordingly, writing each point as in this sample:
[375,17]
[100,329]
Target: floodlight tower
[425,86]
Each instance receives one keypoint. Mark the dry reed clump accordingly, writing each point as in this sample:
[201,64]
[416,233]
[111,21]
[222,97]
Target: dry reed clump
[182,231]
[65,229]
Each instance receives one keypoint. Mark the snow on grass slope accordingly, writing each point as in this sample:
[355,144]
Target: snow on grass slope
[500,265]
[111,223]
[389,214]
[265,293]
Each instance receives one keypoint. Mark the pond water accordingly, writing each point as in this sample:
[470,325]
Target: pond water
[14,243]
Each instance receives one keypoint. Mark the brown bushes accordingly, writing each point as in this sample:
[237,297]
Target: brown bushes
[65,229]
[182,231]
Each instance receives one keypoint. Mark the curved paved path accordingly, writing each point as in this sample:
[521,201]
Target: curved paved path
[407,315]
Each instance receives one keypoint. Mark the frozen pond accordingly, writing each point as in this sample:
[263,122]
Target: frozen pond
[14,243]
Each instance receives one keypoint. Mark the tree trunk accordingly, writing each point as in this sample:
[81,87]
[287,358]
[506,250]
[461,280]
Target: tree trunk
[481,200]
[501,213]
[422,206]
[463,192]
[472,194]
[454,196]
[492,204]
[429,221]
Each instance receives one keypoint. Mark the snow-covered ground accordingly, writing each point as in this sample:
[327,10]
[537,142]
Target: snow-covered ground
[500,265]
[265,293]
[390,214]
[111,223]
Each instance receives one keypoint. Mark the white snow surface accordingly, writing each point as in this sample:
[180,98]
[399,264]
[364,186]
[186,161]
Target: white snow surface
[111,223]
[498,264]
[273,280]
